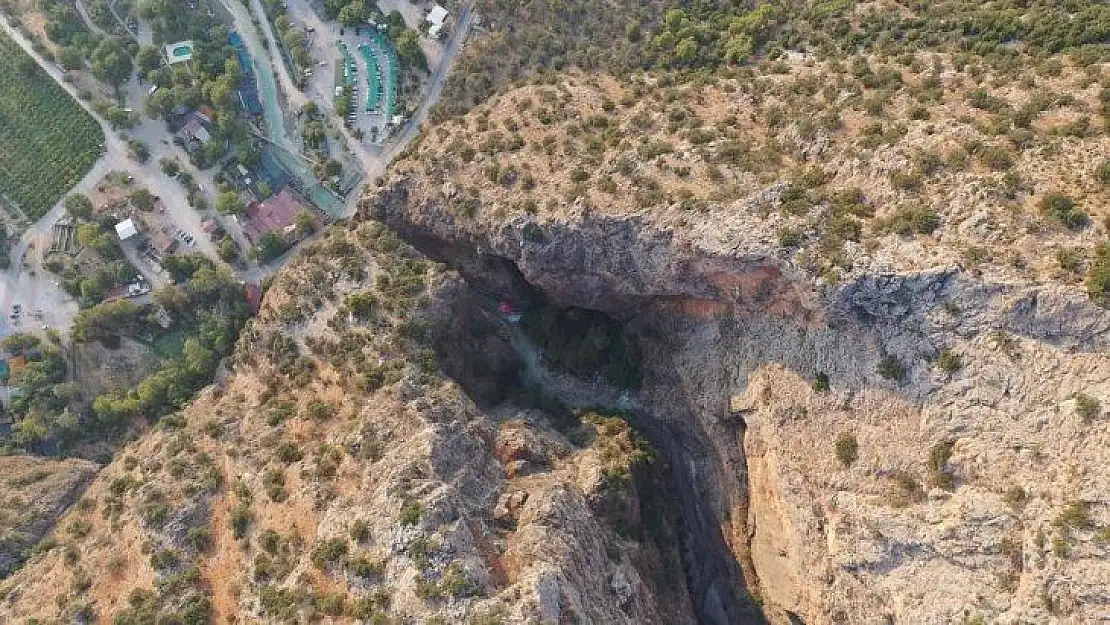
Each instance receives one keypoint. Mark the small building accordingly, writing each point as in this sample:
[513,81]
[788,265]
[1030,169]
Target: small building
[278,213]
[194,129]
[126,229]
[436,17]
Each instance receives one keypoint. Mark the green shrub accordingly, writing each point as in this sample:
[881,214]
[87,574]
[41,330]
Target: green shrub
[279,603]
[320,410]
[330,604]
[1087,407]
[240,520]
[200,538]
[996,158]
[937,463]
[1060,547]
[908,489]
[1015,496]
[273,480]
[362,566]
[329,552]
[454,581]
[1098,276]
[911,219]
[1070,258]
[288,452]
[907,181]
[1062,208]
[949,361]
[164,559]
[821,382]
[1102,172]
[1077,515]
[891,368]
[790,237]
[360,530]
[410,513]
[846,448]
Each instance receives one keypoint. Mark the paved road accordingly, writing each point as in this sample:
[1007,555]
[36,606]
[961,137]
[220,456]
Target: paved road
[435,84]
[373,164]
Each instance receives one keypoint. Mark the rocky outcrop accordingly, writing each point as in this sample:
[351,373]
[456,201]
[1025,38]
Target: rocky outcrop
[336,473]
[735,341]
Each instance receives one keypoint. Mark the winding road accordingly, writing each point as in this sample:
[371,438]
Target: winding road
[373,163]
[35,292]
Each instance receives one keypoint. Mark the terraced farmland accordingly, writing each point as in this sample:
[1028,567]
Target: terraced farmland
[47,141]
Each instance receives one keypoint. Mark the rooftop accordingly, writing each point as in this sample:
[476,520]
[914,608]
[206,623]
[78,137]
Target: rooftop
[437,15]
[126,229]
[277,213]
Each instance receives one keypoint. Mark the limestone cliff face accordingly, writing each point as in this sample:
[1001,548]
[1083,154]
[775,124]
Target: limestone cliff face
[957,505]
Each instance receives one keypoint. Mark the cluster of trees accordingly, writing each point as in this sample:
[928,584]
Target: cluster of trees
[109,58]
[42,410]
[405,40]
[293,38]
[705,34]
[349,12]
[684,40]
[211,78]
[622,37]
[210,310]
[89,287]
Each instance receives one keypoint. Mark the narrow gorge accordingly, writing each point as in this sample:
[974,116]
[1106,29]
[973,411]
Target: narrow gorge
[751,368]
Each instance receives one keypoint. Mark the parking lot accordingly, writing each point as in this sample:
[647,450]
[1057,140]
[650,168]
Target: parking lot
[324,38]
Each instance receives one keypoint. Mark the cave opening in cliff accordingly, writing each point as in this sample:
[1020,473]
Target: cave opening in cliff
[573,364]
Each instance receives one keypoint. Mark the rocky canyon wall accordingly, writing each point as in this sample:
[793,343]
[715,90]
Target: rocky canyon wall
[765,366]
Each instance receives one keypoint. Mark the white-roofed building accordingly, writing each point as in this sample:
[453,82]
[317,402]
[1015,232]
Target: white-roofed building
[126,229]
[436,17]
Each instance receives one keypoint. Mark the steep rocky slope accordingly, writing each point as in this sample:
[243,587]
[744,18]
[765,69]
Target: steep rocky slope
[334,473]
[35,493]
[869,316]
[805,344]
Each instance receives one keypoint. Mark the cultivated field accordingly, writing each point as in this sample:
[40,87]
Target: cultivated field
[47,141]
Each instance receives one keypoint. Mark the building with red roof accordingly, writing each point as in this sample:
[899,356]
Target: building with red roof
[278,213]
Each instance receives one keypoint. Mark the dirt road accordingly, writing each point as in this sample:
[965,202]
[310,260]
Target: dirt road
[20,284]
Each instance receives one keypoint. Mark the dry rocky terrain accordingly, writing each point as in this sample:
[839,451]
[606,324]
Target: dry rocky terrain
[869,385]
